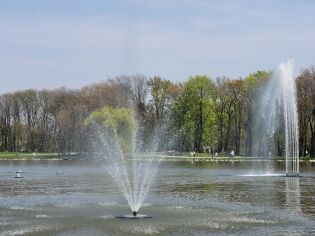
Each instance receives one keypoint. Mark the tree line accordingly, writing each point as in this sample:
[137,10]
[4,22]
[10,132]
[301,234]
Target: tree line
[201,114]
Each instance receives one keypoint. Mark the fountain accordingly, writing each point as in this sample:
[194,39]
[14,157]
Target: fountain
[133,173]
[280,95]
[290,118]
[19,176]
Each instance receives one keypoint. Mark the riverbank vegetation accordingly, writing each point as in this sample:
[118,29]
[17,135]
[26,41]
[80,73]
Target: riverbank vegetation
[27,156]
[202,114]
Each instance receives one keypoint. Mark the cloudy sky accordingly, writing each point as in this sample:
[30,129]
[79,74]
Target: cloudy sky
[72,43]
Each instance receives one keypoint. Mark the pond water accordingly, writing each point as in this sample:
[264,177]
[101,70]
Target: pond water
[201,198]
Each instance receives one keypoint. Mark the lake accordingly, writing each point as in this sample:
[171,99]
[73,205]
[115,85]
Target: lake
[186,198]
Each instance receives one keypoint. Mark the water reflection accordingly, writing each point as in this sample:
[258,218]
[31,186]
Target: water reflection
[293,194]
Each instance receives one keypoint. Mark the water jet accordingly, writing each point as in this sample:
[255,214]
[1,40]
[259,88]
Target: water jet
[132,172]
[278,103]
[18,176]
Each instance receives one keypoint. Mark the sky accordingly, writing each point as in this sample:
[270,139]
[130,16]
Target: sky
[74,43]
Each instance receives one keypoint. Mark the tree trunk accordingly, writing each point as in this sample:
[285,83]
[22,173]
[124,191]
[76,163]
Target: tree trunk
[199,128]
[220,143]
[227,135]
[279,149]
[249,135]
[313,145]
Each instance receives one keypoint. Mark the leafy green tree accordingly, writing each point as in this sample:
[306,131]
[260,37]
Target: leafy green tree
[161,91]
[116,123]
[223,110]
[238,113]
[251,86]
[194,108]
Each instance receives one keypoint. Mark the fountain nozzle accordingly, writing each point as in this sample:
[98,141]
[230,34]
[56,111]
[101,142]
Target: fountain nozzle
[134,213]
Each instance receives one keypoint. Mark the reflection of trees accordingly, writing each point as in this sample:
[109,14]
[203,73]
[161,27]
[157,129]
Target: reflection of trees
[293,195]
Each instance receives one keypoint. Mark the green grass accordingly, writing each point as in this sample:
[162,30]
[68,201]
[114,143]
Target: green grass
[24,155]
[307,158]
[205,155]
[183,155]
[222,156]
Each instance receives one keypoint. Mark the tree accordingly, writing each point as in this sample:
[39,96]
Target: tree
[115,123]
[196,107]
[306,108]
[224,111]
[6,111]
[238,104]
[162,93]
[250,87]
[29,104]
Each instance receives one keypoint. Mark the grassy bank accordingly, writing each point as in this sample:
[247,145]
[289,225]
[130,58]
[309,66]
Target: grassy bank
[222,156]
[169,156]
[27,156]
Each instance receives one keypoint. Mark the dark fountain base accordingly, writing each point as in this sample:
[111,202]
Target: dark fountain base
[292,175]
[134,215]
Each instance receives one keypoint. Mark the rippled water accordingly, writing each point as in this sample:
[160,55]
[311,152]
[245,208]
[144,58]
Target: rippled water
[78,198]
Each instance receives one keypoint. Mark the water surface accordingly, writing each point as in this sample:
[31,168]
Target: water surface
[79,198]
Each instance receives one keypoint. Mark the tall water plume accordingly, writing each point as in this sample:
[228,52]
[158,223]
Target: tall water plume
[277,110]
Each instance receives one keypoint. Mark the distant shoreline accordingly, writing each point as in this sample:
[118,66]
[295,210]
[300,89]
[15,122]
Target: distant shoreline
[10,156]
[15,156]
[228,159]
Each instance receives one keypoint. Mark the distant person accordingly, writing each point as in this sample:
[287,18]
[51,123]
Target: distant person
[232,154]
[269,154]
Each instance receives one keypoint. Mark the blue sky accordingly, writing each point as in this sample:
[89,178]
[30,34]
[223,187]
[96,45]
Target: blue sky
[72,43]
